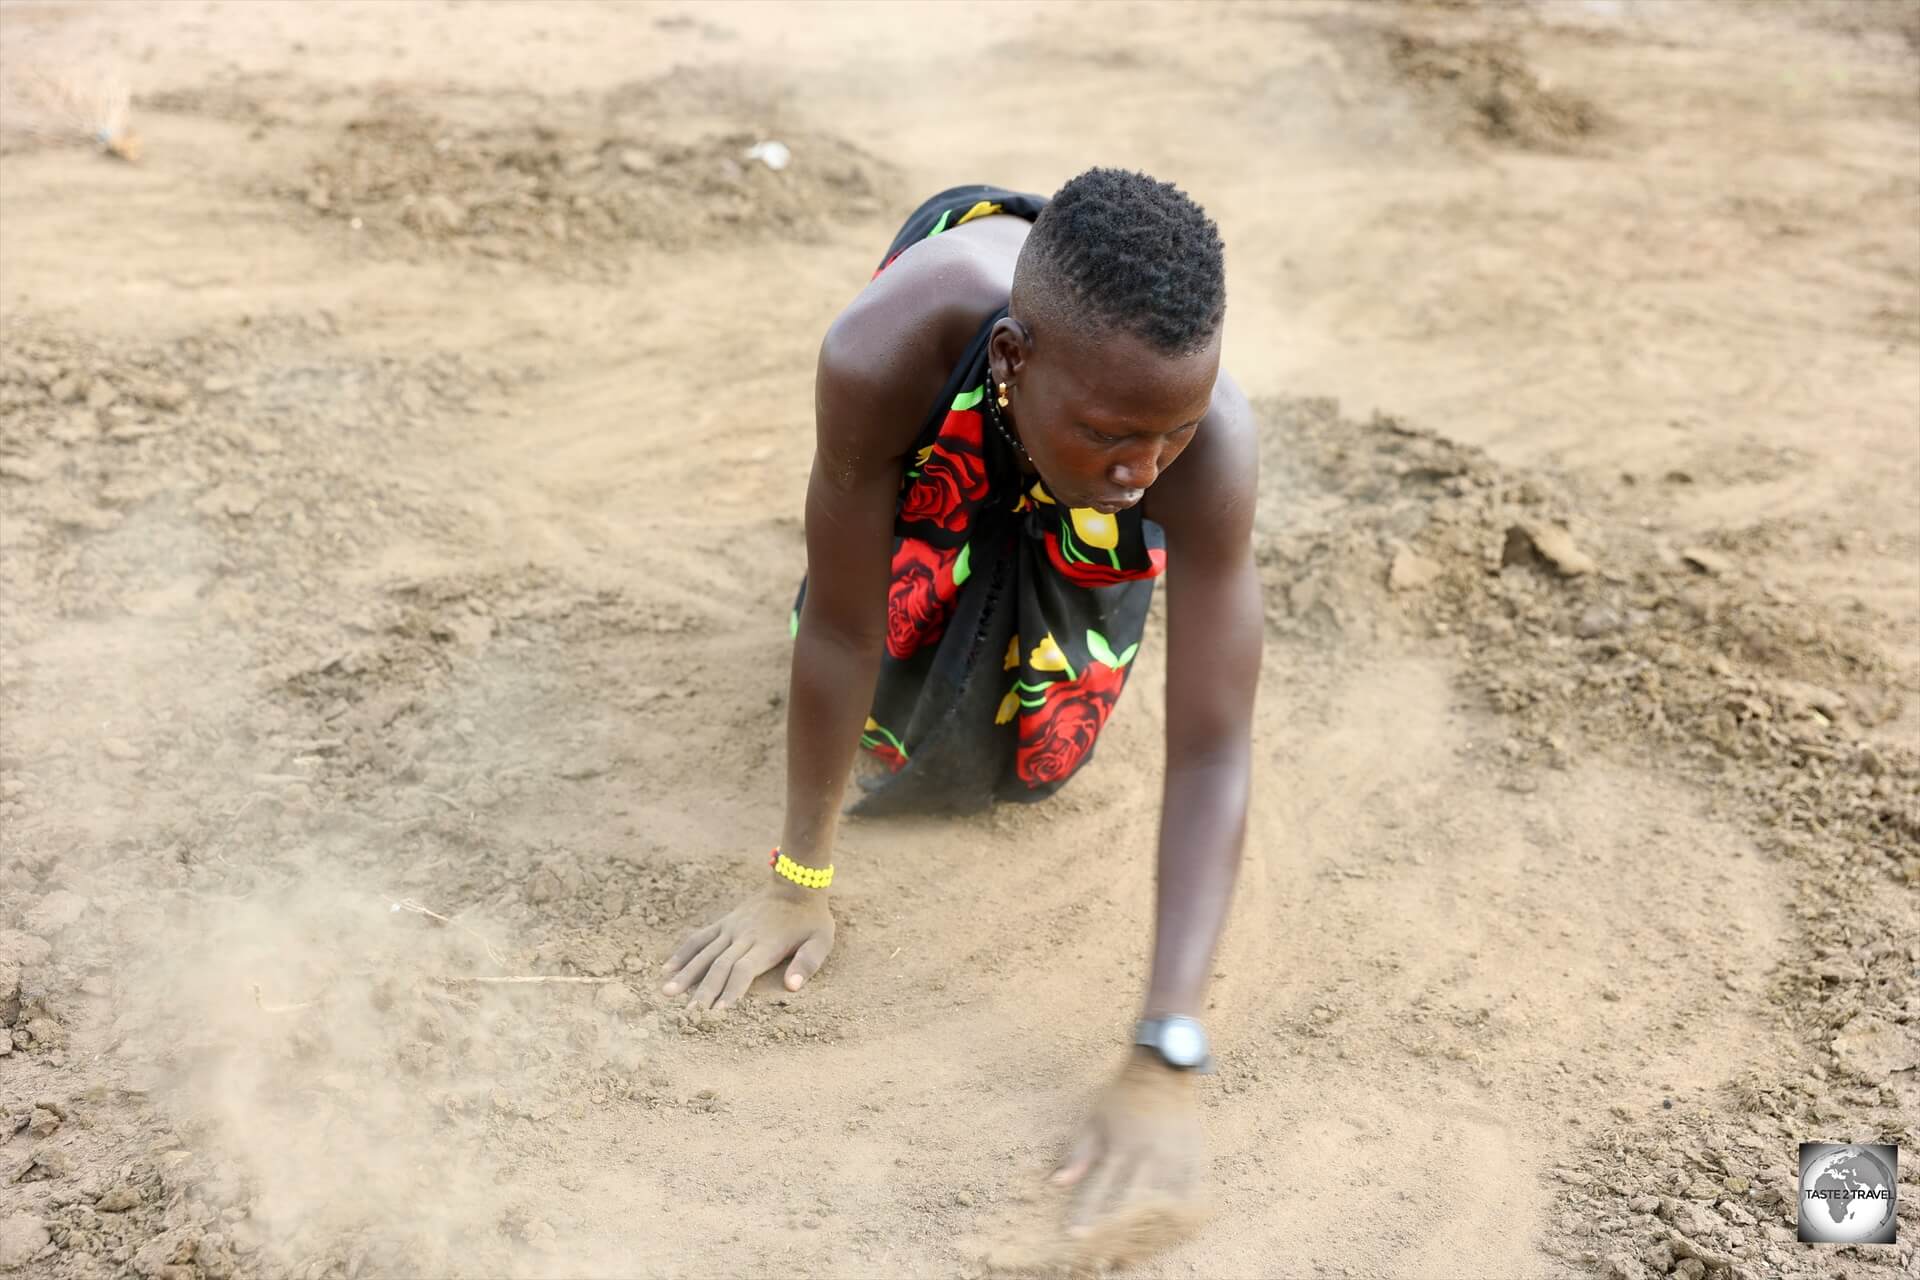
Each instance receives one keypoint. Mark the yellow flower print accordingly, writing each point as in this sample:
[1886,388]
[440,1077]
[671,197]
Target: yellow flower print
[1046,655]
[872,724]
[1008,705]
[1012,659]
[1040,494]
[920,458]
[984,209]
[1096,528]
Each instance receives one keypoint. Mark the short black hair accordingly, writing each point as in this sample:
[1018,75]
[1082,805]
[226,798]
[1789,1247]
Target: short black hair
[1118,249]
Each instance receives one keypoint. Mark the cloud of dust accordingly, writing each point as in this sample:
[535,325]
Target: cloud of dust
[342,1097]
[310,1036]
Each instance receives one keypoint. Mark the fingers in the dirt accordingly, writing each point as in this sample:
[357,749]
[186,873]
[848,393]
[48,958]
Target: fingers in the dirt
[716,980]
[1139,1182]
[1098,1195]
[745,970]
[1183,1180]
[807,960]
[697,967]
[690,947]
[1079,1158]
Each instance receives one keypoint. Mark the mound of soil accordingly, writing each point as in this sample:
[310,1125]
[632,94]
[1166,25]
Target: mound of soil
[1620,638]
[1485,88]
[1592,637]
[545,192]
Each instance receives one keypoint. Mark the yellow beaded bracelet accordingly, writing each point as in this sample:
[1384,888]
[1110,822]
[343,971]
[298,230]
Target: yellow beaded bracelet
[805,877]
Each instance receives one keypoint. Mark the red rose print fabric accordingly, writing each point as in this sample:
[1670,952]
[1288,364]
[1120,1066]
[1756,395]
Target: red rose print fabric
[920,596]
[952,474]
[1057,735]
[1011,621]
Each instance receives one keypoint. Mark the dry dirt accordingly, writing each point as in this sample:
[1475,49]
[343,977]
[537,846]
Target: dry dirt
[401,470]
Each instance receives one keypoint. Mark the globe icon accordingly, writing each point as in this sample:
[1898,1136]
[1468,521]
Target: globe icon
[1847,1196]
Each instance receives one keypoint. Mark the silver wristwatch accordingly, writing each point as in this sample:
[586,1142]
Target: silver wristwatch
[1181,1042]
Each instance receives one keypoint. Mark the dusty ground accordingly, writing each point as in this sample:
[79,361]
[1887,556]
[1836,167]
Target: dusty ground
[401,472]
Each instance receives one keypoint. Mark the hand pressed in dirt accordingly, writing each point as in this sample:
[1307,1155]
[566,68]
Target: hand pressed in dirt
[1139,1146]
[721,961]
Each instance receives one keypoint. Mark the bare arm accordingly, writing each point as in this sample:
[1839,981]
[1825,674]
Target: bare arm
[1142,1137]
[836,653]
[1215,633]
[867,406]
[1214,641]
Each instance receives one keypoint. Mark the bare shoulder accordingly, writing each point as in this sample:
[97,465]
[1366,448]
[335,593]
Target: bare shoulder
[1207,497]
[886,356]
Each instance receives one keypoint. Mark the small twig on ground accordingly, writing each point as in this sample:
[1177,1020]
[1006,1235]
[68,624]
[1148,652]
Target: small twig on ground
[421,909]
[259,1000]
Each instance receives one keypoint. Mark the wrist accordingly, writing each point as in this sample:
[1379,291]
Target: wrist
[801,879]
[781,887]
[1145,1064]
[1155,1009]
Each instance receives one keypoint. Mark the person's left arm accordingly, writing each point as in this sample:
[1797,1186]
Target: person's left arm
[1215,630]
[1143,1136]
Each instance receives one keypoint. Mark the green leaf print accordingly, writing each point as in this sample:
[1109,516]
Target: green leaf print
[1069,549]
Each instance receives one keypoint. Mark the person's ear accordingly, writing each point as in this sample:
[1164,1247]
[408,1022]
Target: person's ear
[1008,348]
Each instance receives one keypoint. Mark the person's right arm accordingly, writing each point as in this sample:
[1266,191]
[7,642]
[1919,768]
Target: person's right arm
[859,454]
[852,494]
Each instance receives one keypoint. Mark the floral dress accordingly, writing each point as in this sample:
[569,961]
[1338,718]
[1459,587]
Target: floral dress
[1011,620]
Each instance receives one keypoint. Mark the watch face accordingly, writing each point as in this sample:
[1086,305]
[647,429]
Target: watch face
[1183,1043]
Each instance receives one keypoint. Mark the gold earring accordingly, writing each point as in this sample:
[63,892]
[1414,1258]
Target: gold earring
[1003,395]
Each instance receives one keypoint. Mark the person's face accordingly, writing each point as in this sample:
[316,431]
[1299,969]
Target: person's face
[1100,417]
